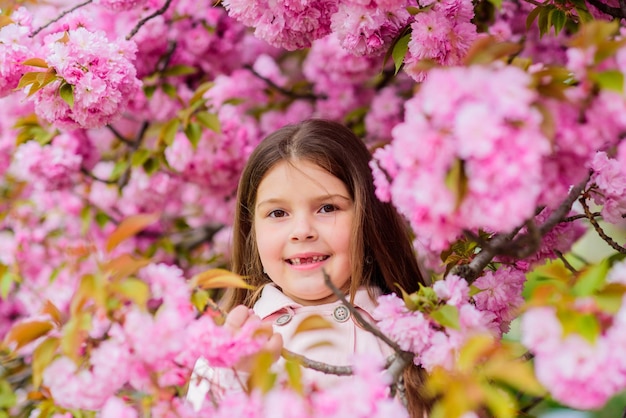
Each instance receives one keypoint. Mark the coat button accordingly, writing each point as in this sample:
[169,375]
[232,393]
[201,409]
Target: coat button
[341,313]
[283,319]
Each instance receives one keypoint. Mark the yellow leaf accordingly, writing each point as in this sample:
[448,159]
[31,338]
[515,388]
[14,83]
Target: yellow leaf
[474,350]
[294,374]
[124,266]
[42,357]
[36,62]
[50,309]
[218,278]
[130,227]
[313,323]
[74,334]
[261,376]
[135,290]
[23,333]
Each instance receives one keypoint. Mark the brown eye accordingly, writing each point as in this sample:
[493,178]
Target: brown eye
[328,208]
[277,213]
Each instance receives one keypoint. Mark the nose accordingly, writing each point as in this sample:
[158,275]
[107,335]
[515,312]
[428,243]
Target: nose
[303,229]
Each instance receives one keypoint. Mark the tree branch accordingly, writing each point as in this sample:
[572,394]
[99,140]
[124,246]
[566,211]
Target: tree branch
[402,358]
[284,91]
[59,17]
[94,177]
[606,9]
[317,365]
[501,242]
[143,21]
[565,262]
[119,136]
[599,229]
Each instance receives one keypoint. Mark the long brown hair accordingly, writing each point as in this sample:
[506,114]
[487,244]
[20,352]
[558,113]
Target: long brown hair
[381,251]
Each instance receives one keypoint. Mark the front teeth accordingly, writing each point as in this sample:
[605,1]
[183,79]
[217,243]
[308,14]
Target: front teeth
[315,259]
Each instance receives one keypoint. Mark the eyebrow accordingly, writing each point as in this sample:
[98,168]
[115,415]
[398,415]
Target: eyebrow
[322,198]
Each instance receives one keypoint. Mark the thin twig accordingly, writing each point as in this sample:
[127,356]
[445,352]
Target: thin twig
[606,9]
[119,136]
[317,365]
[402,359]
[500,242]
[94,177]
[599,229]
[533,403]
[357,315]
[59,17]
[536,3]
[565,262]
[581,216]
[125,177]
[556,216]
[143,21]
[284,91]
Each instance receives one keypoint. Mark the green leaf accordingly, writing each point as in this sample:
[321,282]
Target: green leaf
[168,132]
[610,298]
[591,279]
[8,398]
[140,156]
[583,324]
[149,91]
[210,121]
[558,19]
[151,165]
[447,316]
[102,219]
[193,131]
[6,282]
[118,169]
[399,51]
[609,80]
[496,3]
[544,20]
[169,90]
[532,16]
[66,91]
[415,10]
[582,10]
[180,69]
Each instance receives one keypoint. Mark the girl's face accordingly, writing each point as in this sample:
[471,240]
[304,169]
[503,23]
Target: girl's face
[303,220]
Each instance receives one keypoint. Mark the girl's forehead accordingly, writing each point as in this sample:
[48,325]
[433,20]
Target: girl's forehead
[299,176]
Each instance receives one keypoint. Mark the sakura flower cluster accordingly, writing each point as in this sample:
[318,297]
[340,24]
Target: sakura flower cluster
[490,310]
[140,362]
[15,47]
[442,34]
[567,363]
[441,31]
[609,176]
[290,25]
[101,74]
[365,396]
[465,157]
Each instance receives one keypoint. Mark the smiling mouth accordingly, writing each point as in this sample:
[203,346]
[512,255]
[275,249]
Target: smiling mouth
[307,260]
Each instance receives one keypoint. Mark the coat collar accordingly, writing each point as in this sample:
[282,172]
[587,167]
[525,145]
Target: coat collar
[272,300]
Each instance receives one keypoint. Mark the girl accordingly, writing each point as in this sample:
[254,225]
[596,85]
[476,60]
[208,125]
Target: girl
[306,205]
